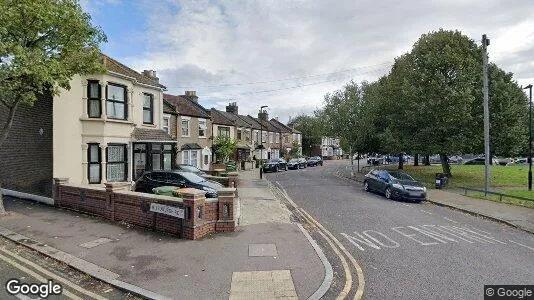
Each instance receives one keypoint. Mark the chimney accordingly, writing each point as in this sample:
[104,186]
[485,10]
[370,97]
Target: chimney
[192,95]
[263,115]
[232,108]
[151,74]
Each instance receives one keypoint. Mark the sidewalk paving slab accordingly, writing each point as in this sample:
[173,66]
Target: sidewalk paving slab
[166,265]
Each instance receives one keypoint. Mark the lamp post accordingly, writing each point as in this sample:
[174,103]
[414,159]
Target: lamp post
[529,137]
[261,141]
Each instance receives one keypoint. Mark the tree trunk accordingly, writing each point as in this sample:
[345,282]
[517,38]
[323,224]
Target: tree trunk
[427,160]
[416,160]
[358,161]
[445,165]
[401,161]
[3,138]
[351,162]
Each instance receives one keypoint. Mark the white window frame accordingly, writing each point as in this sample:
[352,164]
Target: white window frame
[204,127]
[168,127]
[187,155]
[188,119]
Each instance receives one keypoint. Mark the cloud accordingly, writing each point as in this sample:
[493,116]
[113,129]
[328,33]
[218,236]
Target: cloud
[289,54]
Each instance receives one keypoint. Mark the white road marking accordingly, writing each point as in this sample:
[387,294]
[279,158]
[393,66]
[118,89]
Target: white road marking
[450,220]
[521,245]
[412,236]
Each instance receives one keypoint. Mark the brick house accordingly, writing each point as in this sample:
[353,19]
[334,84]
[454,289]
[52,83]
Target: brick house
[286,136]
[189,124]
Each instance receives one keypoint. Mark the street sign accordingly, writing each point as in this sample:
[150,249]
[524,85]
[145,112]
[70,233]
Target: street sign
[167,210]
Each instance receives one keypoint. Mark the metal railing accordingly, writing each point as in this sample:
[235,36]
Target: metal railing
[501,195]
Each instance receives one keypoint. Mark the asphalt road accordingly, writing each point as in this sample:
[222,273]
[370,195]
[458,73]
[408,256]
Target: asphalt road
[408,250]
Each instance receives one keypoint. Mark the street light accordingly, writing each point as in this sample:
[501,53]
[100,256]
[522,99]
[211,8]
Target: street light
[261,142]
[530,137]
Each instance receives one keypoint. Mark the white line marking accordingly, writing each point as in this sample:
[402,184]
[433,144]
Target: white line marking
[521,245]
[450,220]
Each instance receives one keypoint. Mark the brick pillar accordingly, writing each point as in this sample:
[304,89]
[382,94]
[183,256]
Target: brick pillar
[56,192]
[194,205]
[226,220]
[111,188]
[232,179]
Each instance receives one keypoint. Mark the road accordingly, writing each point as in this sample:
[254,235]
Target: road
[409,250]
[29,267]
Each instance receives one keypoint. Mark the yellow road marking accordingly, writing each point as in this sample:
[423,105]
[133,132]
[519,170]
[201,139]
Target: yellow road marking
[35,275]
[52,275]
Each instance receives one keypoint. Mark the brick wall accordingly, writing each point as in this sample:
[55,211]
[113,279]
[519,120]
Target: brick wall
[118,204]
[26,156]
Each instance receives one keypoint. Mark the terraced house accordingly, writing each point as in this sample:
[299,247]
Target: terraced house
[190,125]
[108,127]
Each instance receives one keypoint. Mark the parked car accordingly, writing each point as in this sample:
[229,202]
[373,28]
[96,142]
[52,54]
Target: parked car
[375,161]
[177,178]
[394,185]
[521,161]
[476,161]
[275,165]
[192,169]
[315,161]
[297,163]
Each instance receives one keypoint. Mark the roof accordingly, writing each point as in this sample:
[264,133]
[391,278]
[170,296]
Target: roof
[144,134]
[168,108]
[290,125]
[185,106]
[114,66]
[235,118]
[252,123]
[266,125]
[218,118]
[282,127]
[191,146]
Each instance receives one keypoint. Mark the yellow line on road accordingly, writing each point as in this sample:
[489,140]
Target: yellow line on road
[51,275]
[359,271]
[35,275]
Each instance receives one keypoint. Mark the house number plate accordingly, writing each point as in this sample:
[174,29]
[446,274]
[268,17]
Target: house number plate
[167,210]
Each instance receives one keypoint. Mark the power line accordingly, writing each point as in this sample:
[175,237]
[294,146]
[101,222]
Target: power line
[279,80]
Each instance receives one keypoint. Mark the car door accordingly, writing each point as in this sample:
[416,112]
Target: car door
[383,181]
[155,179]
[176,180]
[372,180]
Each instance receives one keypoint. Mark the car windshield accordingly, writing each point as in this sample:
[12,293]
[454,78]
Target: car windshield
[194,178]
[294,160]
[272,161]
[401,176]
[189,168]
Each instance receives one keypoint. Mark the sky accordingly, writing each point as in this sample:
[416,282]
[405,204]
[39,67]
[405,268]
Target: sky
[289,54]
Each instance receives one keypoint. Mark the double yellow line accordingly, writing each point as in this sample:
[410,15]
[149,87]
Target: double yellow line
[39,273]
[338,248]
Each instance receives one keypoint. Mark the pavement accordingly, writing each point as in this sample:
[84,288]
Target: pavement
[267,248]
[513,215]
[411,250]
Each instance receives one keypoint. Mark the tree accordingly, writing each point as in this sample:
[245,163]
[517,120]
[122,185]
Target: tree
[42,45]
[295,150]
[310,127]
[224,147]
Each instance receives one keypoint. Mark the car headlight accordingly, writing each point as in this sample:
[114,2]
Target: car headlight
[424,189]
[398,186]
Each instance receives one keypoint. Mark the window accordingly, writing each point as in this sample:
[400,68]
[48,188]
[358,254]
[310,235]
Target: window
[224,131]
[148,109]
[94,105]
[239,134]
[185,126]
[271,137]
[202,128]
[277,139]
[247,135]
[206,159]
[190,157]
[167,124]
[116,102]
[264,137]
[117,162]
[94,159]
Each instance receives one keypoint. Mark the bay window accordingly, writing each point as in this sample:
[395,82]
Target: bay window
[94,163]
[116,102]
[94,105]
[117,162]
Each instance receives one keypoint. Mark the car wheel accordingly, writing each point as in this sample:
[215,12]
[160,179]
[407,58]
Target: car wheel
[366,186]
[388,193]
